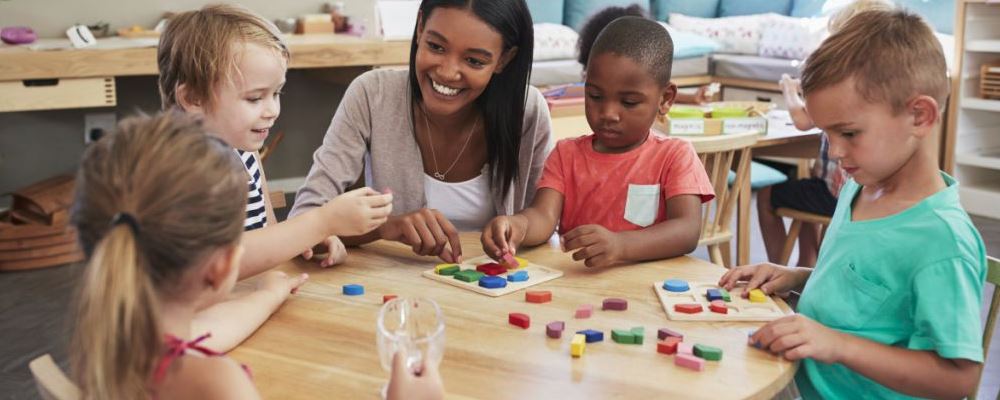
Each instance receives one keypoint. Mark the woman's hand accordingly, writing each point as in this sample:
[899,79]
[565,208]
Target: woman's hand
[427,232]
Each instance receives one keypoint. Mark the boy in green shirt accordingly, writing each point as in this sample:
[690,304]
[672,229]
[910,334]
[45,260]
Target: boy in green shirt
[892,308]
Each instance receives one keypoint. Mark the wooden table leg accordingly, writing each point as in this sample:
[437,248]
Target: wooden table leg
[743,223]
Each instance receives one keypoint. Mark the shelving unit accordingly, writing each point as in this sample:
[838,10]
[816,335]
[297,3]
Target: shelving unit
[974,122]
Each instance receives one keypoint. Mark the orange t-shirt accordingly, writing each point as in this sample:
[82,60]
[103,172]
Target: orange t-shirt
[626,191]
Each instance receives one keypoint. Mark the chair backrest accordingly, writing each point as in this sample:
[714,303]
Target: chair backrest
[52,383]
[719,155]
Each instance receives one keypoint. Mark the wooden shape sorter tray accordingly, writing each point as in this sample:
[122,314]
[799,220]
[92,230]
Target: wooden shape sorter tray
[536,274]
[740,309]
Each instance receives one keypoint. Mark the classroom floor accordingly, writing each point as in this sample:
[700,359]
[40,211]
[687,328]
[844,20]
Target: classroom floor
[34,307]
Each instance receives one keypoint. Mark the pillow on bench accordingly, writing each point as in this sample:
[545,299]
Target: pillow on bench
[554,42]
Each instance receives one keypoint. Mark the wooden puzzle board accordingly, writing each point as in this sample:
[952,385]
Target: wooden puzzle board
[536,274]
[740,309]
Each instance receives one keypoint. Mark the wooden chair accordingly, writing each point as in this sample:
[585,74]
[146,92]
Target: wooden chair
[719,155]
[992,276]
[52,383]
[798,218]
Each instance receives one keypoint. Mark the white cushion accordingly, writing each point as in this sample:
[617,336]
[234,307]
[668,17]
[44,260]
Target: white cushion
[791,38]
[739,35]
[554,42]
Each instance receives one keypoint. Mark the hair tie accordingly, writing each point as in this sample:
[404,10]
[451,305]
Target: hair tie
[124,217]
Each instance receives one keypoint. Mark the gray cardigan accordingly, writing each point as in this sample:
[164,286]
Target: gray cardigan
[379,101]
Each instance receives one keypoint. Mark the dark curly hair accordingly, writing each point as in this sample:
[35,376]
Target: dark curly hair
[596,23]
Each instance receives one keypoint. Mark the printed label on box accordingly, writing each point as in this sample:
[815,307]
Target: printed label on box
[742,125]
[687,126]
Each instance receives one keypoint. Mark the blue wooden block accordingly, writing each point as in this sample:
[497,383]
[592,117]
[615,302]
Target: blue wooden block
[675,285]
[592,335]
[519,276]
[492,282]
[354,290]
[713,294]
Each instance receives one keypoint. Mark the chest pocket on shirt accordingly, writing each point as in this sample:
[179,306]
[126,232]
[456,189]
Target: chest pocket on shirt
[642,204]
[856,301]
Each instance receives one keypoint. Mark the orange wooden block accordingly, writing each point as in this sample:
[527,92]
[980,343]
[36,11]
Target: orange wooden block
[688,308]
[668,345]
[538,296]
[386,298]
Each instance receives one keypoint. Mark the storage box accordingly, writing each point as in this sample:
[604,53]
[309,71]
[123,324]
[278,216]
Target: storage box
[989,81]
[689,121]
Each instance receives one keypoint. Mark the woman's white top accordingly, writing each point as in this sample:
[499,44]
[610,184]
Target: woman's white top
[468,205]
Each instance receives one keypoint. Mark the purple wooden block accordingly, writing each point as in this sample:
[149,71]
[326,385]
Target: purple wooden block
[664,333]
[555,329]
[615,304]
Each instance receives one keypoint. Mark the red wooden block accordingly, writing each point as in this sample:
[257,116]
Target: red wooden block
[507,261]
[668,345]
[519,319]
[492,269]
[615,304]
[688,308]
[538,296]
[386,298]
[718,306]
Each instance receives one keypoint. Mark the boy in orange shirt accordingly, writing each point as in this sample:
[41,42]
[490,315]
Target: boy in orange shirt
[622,194]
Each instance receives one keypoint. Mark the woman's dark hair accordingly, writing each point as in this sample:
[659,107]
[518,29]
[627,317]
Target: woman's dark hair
[502,102]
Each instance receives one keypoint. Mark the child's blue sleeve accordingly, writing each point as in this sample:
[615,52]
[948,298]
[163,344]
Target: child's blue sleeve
[947,301]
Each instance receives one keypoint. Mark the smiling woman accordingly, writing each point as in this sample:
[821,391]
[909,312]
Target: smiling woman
[459,138]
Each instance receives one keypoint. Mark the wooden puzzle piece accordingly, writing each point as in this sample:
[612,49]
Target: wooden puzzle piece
[615,304]
[519,276]
[713,295]
[578,344]
[538,296]
[707,352]
[468,275]
[555,329]
[584,311]
[675,285]
[519,319]
[688,308]
[639,333]
[592,335]
[685,348]
[447,269]
[758,296]
[353,290]
[725,295]
[491,269]
[718,306]
[622,336]
[507,261]
[492,282]
[689,361]
[664,333]
[668,345]
[386,298]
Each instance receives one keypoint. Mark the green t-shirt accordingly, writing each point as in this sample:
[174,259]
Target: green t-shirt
[912,280]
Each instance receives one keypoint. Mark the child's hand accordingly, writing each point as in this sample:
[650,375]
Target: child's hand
[769,278]
[359,211]
[797,337]
[280,283]
[336,253]
[419,385]
[503,234]
[427,232]
[596,244]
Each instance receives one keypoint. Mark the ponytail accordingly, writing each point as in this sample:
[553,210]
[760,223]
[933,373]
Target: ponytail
[117,340]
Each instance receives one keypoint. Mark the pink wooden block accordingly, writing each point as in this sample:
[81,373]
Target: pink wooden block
[685,348]
[584,311]
[555,329]
[615,304]
[689,361]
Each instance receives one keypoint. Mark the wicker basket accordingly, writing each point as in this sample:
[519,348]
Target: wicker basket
[989,81]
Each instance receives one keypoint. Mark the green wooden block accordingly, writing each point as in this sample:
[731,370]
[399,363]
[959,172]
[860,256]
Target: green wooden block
[449,270]
[725,295]
[622,336]
[639,334]
[708,353]
[469,275]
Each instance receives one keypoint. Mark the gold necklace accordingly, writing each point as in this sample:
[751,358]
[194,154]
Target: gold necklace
[430,139]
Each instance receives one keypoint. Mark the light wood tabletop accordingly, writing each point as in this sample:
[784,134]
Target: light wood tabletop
[321,343]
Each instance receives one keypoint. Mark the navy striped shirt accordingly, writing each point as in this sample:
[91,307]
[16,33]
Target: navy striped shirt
[256,211]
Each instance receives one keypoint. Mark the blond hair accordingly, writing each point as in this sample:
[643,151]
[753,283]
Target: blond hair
[185,192]
[839,18]
[199,49]
[892,55]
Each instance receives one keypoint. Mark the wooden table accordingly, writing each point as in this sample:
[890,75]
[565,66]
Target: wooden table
[782,140]
[321,344]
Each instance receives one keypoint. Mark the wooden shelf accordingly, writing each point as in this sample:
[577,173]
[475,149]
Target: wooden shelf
[980,200]
[989,159]
[972,103]
[983,46]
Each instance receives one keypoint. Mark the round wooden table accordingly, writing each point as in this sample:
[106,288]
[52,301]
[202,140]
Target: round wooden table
[321,343]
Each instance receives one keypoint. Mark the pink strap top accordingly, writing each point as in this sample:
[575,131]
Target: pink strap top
[177,347]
